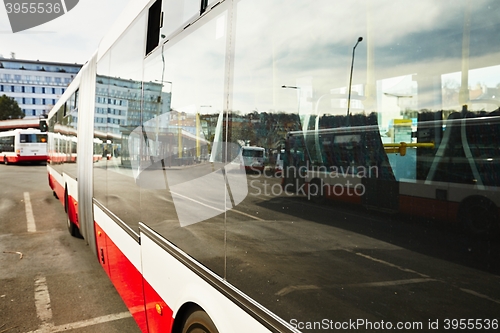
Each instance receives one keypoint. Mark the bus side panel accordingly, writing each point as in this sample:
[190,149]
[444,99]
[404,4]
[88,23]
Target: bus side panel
[102,248]
[421,199]
[56,182]
[10,158]
[128,281]
[453,208]
[118,254]
[172,283]
[343,189]
[341,193]
[424,207]
[71,186]
[73,210]
[159,315]
[37,158]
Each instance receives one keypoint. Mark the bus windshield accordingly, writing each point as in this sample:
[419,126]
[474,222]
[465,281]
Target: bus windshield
[252,153]
[33,138]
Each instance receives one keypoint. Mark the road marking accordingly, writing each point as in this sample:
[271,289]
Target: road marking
[83,323]
[42,302]
[44,312]
[93,321]
[475,293]
[29,213]
[290,289]
[390,283]
[218,209]
[426,277]
[388,264]
[245,214]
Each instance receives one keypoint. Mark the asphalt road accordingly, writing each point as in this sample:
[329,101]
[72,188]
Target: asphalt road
[49,281]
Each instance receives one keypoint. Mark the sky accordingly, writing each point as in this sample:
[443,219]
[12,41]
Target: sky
[70,38]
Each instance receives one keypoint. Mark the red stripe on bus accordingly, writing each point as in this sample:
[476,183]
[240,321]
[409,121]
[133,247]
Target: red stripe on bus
[18,158]
[160,316]
[426,207]
[124,276]
[32,158]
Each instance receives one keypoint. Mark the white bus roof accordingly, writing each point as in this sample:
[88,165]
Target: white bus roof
[253,148]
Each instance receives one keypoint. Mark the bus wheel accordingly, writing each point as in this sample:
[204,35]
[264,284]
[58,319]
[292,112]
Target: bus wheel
[316,191]
[72,228]
[199,322]
[479,216]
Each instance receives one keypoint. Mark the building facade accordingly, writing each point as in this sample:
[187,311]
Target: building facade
[119,102]
[35,85]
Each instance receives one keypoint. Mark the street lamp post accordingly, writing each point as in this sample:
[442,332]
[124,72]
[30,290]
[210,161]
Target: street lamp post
[299,93]
[350,78]
[298,89]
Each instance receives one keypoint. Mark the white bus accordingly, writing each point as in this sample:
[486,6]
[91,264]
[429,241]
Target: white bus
[453,179]
[253,158]
[193,243]
[23,146]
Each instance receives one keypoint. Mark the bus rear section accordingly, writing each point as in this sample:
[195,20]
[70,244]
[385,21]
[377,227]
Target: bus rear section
[23,146]
[253,158]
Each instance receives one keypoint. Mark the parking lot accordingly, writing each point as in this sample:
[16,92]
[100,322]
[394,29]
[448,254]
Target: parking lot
[49,281]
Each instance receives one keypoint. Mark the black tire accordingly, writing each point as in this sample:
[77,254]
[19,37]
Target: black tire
[199,322]
[72,228]
[480,216]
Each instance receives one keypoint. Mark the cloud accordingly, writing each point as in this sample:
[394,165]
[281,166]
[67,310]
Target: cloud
[300,39]
[71,38]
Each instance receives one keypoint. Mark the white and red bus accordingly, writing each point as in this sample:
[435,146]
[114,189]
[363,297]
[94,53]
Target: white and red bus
[452,176]
[23,146]
[253,158]
[144,155]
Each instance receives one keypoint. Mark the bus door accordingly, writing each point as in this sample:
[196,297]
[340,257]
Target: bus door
[381,190]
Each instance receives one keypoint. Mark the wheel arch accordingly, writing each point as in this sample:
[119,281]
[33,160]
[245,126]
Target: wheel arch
[467,209]
[183,314]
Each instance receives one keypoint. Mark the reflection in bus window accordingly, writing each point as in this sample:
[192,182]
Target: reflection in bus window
[265,160]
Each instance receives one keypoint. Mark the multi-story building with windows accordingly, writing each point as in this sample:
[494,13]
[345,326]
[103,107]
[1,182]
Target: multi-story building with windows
[119,102]
[35,85]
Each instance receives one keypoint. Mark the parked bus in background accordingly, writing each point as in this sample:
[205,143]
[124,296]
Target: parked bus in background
[253,158]
[23,146]
[145,155]
[451,176]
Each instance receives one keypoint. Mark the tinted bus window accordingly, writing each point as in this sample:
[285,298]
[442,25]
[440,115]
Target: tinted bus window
[33,138]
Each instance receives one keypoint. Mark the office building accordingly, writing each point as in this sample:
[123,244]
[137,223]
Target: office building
[35,85]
